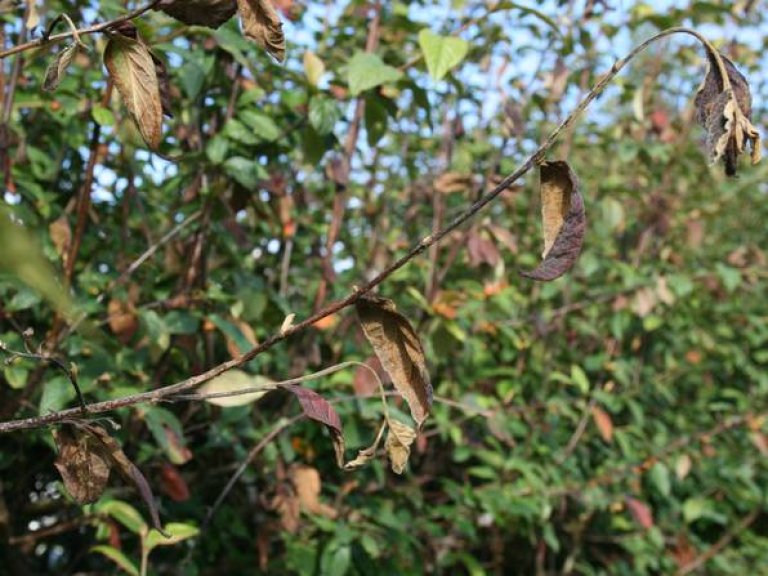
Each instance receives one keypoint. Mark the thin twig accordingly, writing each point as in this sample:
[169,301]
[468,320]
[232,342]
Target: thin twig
[44,40]
[528,164]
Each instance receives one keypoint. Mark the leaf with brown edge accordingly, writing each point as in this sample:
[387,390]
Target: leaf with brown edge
[262,24]
[724,108]
[56,70]
[564,220]
[317,408]
[83,467]
[211,13]
[399,349]
[109,448]
[132,68]
[398,445]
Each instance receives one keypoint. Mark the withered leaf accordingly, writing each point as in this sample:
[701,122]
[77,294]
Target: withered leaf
[306,481]
[54,74]
[164,85]
[317,408]
[109,448]
[262,24]
[724,108]
[83,467]
[399,349]
[564,220]
[132,68]
[211,13]
[398,445]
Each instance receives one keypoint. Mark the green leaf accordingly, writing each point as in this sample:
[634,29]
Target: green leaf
[178,533]
[323,114]
[124,513]
[103,116]
[660,478]
[441,53]
[366,71]
[57,392]
[118,558]
[262,125]
[579,378]
[246,172]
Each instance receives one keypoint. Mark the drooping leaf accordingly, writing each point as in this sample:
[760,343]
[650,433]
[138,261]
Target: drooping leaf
[211,13]
[262,24]
[176,532]
[81,463]
[366,70]
[564,221]
[399,349]
[398,445]
[317,408]
[724,108]
[132,68]
[22,258]
[111,449]
[56,70]
[441,53]
[118,558]
[232,381]
[164,85]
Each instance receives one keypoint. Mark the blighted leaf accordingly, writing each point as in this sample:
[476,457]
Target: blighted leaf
[164,85]
[317,408]
[262,24]
[399,349]
[724,108]
[398,445]
[132,68]
[58,67]
[367,454]
[111,449]
[81,463]
[232,381]
[211,13]
[564,221]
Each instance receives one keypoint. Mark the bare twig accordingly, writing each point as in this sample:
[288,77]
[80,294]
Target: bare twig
[527,165]
[47,39]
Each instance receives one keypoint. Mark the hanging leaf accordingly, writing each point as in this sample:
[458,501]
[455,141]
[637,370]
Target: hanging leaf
[58,67]
[317,408]
[398,348]
[398,445]
[564,221]
[441,53]
[232,381]
[211,13]
[109,448]
[724,108]
[132,68]
[83,467]
[164,85]
[262,24]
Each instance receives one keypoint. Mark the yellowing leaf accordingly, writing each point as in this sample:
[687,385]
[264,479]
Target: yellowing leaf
[233,381]
[441,53]
[398,445]
[176,532]
[314,68]
[399,349]
[262,24]
[564,221]
[132,68]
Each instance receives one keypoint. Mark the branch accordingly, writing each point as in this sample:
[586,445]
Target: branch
[538,156]
[47,39]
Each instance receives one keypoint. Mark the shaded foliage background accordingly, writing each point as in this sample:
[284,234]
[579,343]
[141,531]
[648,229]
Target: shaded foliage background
[610,422]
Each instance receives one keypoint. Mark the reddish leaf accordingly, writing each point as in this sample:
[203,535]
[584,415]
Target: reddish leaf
[317,408]
[173,484]
[641,512]
[603,422]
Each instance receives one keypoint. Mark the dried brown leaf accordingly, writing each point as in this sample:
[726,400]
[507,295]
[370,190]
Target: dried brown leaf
[131,66]
[83,467]
[603,422]
[262,24]
[399,349]
[56,70]
[724,108]
[61,236]
[306,480]
[398,445]
[164,85]
[564,220]
[211,13]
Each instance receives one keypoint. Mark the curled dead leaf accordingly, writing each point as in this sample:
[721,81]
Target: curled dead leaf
[398,445]
[83,467]
[564,221]
[724,108]
[399,349]
[56,70]
[262,24]
[306,480]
